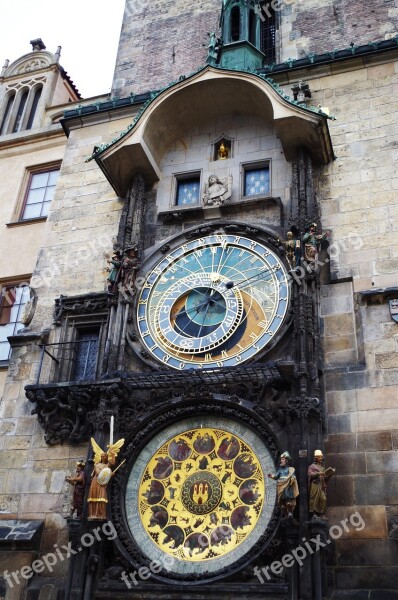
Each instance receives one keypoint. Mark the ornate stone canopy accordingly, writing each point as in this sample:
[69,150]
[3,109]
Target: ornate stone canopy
[206,95]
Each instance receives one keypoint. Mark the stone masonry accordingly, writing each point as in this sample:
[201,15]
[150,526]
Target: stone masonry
[357,195]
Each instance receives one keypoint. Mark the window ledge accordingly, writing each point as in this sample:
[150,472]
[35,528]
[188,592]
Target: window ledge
[26,222]
[4,364]
[177,213]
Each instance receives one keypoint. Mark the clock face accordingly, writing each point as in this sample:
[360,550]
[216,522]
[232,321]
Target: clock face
[212,302]
[197,497]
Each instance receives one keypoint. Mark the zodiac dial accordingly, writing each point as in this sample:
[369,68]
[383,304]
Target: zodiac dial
[200,495]
[212,302]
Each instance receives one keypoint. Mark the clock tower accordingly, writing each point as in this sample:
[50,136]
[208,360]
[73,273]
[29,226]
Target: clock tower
[209,365]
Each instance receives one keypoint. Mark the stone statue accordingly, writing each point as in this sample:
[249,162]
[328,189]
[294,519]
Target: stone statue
[217,191]
[292,249]
[317,482]
[312,242]
[79,483]
[212,49]
[287,487]
[130,266]
[113,279]
[100,477]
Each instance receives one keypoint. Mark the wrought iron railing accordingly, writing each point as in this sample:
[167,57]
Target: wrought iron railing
[68,361]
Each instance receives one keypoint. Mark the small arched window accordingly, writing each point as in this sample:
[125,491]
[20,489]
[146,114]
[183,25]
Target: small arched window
[7,112]
[33,108]
[20,111]
[235,24]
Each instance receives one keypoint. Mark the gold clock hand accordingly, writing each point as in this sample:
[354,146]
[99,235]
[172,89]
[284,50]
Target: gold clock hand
[230,284]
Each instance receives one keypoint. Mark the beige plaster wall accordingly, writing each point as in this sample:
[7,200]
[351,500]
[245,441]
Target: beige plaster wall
[19,245]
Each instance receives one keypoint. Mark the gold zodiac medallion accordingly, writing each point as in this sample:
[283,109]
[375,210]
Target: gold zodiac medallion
[201,494]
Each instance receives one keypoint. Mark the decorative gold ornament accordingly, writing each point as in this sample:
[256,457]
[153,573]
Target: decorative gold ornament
[201,494]
[222,151]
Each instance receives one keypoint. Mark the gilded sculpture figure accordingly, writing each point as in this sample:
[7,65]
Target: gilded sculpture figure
[222,153]
[292,249]
[287,487]
[100,477]
[318,478]
[79,483]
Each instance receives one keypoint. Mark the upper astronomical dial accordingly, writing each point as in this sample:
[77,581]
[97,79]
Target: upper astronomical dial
[214,301]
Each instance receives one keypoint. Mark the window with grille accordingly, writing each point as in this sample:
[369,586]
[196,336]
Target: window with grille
[267,33]
[86,354]
[12,300]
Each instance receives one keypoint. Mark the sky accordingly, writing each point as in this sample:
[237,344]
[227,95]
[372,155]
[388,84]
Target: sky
[87,30]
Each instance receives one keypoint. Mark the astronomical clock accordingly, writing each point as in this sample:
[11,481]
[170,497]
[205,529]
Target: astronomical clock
[196,495]
[213,302]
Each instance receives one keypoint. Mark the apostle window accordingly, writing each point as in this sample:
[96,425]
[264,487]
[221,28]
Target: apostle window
[39,194]
[256,179]
[187,189]
[12,300]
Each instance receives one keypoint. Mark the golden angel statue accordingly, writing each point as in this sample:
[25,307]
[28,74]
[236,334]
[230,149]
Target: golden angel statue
[100,477]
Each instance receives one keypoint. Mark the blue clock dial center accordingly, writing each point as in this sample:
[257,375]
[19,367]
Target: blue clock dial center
[212,302]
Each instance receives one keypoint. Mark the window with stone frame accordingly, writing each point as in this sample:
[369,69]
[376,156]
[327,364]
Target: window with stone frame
[256,179]
[187,189]
[39,192]
[13,298]
[79,352]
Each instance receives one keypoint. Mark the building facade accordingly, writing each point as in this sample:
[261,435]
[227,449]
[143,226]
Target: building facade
[211,263]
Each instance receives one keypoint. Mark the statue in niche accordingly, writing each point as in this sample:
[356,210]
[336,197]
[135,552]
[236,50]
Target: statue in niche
[222,152]
[287,487]
[78,481]
[312,241]
[292,247]
[217,191]
[318,477]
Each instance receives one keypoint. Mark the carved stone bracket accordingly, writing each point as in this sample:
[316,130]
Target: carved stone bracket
[73,412]
[73,305]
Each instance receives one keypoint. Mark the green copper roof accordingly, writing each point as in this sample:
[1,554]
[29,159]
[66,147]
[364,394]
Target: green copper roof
[102,147]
